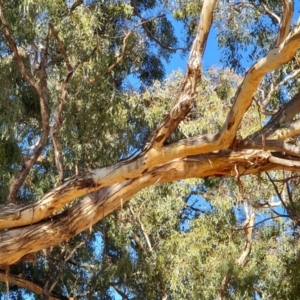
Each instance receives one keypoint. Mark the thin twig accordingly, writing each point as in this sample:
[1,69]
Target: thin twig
[137,217]
[63,94]
[148,32]
[57,277]
[124,45]
[274,89]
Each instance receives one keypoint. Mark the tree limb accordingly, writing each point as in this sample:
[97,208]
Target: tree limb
[96,206]
[248,228]
[41,90]
[20,281]
[187,92]
[285,22]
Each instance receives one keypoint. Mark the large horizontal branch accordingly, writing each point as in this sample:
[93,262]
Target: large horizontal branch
[107,176]
[81,185]
[17,242]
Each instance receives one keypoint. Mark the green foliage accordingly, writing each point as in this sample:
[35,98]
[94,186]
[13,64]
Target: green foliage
[178,240]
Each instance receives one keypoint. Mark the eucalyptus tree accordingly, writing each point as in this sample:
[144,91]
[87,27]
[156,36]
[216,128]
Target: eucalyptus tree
[206,157]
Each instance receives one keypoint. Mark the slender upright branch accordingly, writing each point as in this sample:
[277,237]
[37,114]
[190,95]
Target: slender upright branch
[13,47]
[187,92]
[248,228]
[63,94]
[61,47]
[61,268]
[41,90]
[285,22]
[138,218]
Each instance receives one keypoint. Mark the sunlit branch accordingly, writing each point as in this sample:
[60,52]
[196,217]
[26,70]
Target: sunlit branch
[187,92]
[285,22]
[244,95]
[270,13]
[287,130]
[101,203]
[223,163]
[284,162]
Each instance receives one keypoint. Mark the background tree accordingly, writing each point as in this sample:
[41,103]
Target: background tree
[209,159]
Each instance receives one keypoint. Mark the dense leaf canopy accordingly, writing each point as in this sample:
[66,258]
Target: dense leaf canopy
[119,181]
